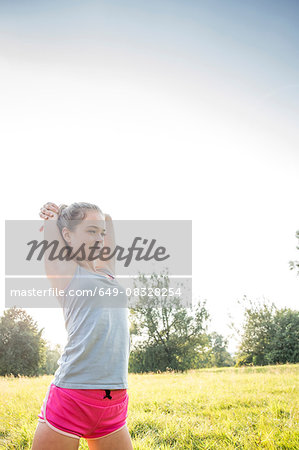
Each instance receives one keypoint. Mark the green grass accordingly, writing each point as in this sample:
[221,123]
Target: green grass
[227,408]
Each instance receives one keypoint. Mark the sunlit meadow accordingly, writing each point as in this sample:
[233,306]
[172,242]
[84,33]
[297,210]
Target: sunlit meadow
[221,408]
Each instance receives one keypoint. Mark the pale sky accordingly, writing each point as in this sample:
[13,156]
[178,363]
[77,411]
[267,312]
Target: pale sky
[160,110]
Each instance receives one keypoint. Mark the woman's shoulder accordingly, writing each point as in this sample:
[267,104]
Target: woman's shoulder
[106,272]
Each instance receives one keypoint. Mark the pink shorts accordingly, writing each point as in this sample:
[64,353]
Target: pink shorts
[84,412]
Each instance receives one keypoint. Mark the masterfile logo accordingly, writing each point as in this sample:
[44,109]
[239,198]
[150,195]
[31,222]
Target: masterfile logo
[142,247]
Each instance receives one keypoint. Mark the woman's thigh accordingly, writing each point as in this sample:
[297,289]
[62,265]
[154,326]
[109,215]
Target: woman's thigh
[119,440]
[47,439]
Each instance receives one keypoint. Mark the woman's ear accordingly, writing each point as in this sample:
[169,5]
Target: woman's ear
[66,235]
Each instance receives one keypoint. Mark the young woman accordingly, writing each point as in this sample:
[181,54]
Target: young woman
[88,396]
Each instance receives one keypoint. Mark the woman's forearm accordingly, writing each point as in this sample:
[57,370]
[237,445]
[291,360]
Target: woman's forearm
[110,243]
[54,243]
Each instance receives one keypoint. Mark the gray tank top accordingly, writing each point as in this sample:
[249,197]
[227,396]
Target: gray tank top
[97,351]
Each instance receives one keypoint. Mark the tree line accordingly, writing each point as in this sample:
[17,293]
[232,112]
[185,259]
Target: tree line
[165,336]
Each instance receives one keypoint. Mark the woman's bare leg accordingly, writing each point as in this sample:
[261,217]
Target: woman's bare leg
[45,438]
[120,440]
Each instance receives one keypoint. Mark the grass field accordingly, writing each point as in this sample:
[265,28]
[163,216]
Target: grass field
[228,408]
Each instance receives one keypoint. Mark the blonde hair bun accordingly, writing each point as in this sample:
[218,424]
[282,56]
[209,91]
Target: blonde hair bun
[61,208]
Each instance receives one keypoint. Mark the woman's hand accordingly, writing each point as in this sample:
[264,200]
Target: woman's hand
[48,211]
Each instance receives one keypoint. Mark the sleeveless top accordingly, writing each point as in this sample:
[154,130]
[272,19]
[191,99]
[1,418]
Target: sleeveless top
[97,351]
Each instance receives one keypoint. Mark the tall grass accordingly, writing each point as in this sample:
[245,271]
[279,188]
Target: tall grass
[227,408]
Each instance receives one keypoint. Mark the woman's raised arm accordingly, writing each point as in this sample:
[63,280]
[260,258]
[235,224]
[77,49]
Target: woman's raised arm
[55,268]
[110,243]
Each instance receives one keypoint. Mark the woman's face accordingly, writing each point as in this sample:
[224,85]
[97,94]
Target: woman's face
[90,231]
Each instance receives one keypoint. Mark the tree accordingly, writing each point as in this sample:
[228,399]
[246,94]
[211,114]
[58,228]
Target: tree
[270,335]
[295,264]
[285,344]
[219,356]
[171,338]
[257,333]
[52,356]
[22,348]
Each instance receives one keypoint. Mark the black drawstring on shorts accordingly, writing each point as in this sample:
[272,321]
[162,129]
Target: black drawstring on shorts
[108,394]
